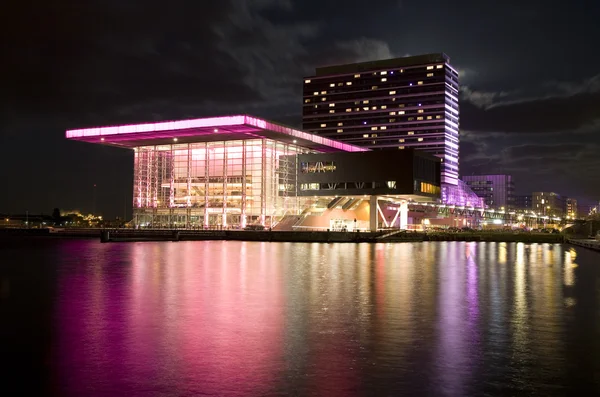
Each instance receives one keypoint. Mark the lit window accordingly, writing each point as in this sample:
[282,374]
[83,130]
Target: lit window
[356,76]
[323,92]
[429,117]
[307,81]
[400,147]
[316,93]
[411,133]
[373,128]
[401,140]
[348,83]
[420,139]
[331,105]
[401,105]
[383,73]
[401,112]
[366,108]
[323,125]
[430,67]
[420,118]
[373,135]
[420,111]
[332,85]
[357,109]
[340,84]
[340,130]
[383,106]
[401,70]
[383,80]
[365,135]
[323,99]
[393,99]
[392,113]
[392,92]
[383,128]
[332,111]
[340,124]
[365,101]
[411,118]
[374,87]
[438,116]
[374,108]
[429,74]
[439,66]
[307,101]
[420,83]
[348,110]
[316,106]
[392,120]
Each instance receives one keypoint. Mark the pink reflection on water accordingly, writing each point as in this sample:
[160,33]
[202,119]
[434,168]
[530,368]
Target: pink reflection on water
[180,318]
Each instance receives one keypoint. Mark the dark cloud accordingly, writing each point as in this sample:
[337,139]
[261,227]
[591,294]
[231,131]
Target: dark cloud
[566,113]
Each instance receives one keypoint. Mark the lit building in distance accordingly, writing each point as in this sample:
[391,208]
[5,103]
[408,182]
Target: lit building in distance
[496,190]
[237,171]
[400,103]
[571,209]
[547,204]
[523,202]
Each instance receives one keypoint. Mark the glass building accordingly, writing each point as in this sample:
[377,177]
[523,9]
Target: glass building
[496,190]
[223,171]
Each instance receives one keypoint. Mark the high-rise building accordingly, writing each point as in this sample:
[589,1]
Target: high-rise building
[523,202]
[547,204]
[571,208]
[399,103]
[496,190]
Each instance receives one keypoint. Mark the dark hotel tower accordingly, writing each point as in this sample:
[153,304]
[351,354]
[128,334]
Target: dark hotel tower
[390,104]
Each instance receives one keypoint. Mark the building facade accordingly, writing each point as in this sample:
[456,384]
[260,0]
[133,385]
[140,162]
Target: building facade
[571,209]
[396,104]
[547,204]
[496,190]
[523,202]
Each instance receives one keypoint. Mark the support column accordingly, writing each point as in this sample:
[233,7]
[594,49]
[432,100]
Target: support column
[373,213]
[188,212]
[403,215]
[243,210]
[206,184]
[263,182]
[224,215]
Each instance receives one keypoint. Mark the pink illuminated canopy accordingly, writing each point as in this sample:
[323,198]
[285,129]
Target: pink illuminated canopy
[205,129]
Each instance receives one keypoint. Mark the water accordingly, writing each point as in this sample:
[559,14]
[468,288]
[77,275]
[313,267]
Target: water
[80,318]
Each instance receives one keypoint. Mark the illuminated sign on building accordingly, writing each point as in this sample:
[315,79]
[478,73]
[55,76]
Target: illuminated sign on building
[317,167]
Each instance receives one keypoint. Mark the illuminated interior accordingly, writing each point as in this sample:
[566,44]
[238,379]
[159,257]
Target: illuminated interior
[208,184]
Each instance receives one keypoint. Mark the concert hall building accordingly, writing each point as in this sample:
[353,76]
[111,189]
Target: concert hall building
[237,171]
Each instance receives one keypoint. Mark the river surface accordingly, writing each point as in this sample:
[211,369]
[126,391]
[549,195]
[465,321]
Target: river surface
[81,318]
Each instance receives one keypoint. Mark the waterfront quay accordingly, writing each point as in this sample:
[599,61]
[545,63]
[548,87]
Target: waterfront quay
[133,235]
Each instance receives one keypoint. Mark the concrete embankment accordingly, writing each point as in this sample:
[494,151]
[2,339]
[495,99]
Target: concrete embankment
[587,243]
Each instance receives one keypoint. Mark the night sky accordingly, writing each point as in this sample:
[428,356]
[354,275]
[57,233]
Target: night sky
[530,77]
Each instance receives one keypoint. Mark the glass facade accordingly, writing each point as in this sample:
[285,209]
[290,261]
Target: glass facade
[214,184]
[461,195]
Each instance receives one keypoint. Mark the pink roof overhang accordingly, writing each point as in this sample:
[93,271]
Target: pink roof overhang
[209,129]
